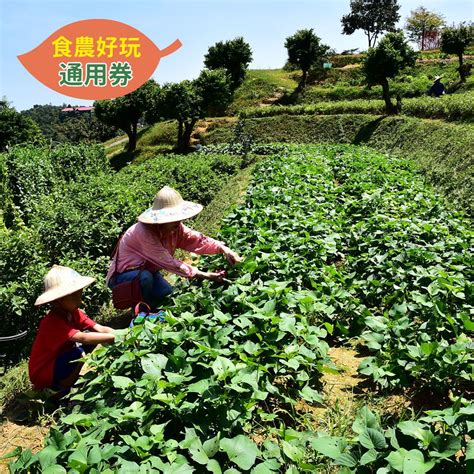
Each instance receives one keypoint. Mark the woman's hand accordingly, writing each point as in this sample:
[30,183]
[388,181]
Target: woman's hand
[215,276]
[232,257]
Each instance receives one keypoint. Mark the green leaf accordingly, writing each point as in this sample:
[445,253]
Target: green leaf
[416,430]
[311,395]
[241,450]
[292,452]
[122,382]
[56,469]
[409,462]
[47,456]
[267,467]
[369,457]
[365,419]
[346,459]
[94,456]
[214,467]
[330,446]
[78,460]
[372,439]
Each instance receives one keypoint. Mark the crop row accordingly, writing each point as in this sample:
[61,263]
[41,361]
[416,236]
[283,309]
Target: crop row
[215,388]
[450,107]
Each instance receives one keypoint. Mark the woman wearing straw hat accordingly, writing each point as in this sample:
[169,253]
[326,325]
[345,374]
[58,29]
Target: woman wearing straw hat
[438,88]
[62,338]
[149,245]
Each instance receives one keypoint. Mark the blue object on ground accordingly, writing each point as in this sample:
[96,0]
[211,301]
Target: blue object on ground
[158,317]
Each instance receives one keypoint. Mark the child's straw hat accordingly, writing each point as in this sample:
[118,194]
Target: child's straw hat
[61,281]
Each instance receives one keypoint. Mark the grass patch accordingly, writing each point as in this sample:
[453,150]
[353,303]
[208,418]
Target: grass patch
[14,382]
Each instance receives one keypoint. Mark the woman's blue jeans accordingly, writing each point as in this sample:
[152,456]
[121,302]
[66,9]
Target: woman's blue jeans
[153,285]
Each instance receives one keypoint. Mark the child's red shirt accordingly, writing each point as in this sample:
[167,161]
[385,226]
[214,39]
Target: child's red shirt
[54,338]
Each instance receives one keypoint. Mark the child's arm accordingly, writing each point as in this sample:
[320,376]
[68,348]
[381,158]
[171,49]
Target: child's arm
[93,337]
[102,329]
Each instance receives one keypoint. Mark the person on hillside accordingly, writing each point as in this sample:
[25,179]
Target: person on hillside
[438,88]
[65,334]
[148,246]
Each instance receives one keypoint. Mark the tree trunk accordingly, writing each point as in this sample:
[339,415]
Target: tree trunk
[302,83]
[188,131]
[389,107]
[369,38]
[180,135]
[423,40]
[131,132]
[462,73]
[185,131]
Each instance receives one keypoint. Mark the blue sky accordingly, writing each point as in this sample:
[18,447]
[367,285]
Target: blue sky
[198,24]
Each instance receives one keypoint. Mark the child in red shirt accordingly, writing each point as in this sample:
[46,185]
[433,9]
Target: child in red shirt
[61,338]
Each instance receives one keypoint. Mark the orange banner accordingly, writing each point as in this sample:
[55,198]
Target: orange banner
[95,59]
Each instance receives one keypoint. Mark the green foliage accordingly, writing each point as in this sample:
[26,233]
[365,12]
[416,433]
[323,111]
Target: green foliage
[30,171]
[305,51]
[372,16]
[71,127]
[233,56]
[440,441]
[450,107]
[125,112]
[16,128]
[188,101]
[386,60]
[76,219]
[232,361]
[442,151]
[421,24]
[455,40]
[184,394]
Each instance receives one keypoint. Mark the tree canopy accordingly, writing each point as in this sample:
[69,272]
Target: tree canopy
[16,128]
[422,25]
[125,112]
[372,16]
[234,56]
[188,101]
[305,51]
[386,60]
[454,40]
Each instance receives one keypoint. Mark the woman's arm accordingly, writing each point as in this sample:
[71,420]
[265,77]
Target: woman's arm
[103,329]
[194,241]
[92,337]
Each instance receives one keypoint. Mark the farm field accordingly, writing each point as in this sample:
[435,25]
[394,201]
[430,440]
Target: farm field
[345,248]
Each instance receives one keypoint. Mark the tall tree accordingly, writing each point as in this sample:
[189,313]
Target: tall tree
[422,24]
[305,51]
[125,112]
[372,16]
[454,40]
[16,128]
[234,56]
[392,55]
[189,101]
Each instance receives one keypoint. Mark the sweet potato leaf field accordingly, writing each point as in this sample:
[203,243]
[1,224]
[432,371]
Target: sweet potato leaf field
[340,243]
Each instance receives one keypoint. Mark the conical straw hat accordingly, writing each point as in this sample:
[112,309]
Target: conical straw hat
[61,281]
[169,206]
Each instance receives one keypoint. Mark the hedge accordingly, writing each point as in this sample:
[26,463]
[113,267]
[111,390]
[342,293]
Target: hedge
[450,107]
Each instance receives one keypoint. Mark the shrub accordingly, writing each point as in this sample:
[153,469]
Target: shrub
[27,172]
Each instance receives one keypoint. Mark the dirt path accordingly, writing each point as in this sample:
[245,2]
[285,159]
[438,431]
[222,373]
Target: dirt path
[269,101]
[344,395]
[13,435]
[122,140]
